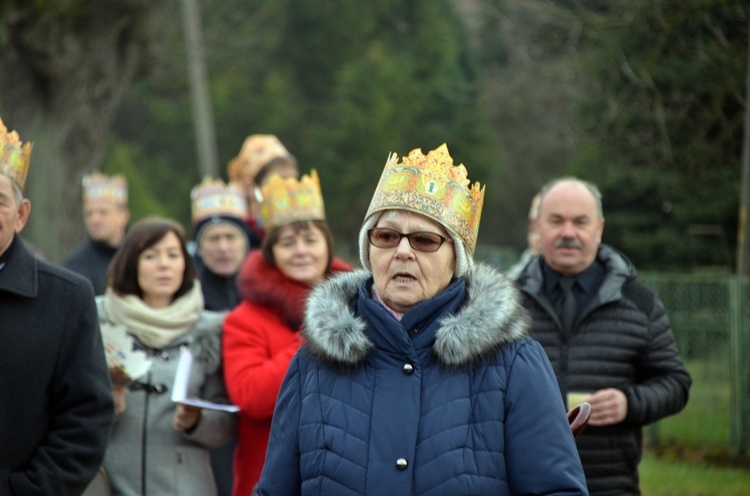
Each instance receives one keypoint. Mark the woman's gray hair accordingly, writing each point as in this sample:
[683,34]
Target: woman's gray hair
[464,261]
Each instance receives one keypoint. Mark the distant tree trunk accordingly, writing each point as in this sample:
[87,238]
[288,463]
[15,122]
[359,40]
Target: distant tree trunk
[63,74]
[743,237]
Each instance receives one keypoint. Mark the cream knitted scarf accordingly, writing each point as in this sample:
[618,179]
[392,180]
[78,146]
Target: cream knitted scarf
[155,327]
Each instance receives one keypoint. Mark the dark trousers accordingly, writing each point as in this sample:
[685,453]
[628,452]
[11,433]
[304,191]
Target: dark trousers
[221,462]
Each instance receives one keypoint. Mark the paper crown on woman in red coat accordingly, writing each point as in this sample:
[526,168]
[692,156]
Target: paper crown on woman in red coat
[287,200]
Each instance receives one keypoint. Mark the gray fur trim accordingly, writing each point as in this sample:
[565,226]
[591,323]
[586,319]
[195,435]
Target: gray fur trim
[331,330]
[490,317]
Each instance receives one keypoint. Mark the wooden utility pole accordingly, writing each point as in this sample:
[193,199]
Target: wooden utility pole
[203,119]
[739,398]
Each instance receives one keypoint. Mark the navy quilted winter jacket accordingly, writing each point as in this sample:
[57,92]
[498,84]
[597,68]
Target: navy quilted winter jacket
[454,399]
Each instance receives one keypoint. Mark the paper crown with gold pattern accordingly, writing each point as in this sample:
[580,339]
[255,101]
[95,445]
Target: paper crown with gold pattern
[98,186]
[433,186]
[287,200]
[14,156]
[256,152]
[214,198]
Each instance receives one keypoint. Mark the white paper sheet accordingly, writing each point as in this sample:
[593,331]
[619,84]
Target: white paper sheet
[181,379]
[121,354]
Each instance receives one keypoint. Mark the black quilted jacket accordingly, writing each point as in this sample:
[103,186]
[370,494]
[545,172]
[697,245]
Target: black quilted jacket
[622,340]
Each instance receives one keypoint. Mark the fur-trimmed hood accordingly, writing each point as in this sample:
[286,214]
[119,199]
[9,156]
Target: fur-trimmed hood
[264,285]
[490,317]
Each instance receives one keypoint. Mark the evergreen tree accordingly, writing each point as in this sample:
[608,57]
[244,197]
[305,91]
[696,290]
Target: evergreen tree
[341,83]
[664,127]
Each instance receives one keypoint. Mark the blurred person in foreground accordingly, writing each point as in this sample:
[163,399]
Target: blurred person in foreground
[106,216]
[262,334]
[222,241]
[617,351]
[261,156]
[532,240]
[159,447]
[417,375]
[56,408]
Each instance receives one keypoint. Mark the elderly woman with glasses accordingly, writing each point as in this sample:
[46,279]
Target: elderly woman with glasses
[417,376]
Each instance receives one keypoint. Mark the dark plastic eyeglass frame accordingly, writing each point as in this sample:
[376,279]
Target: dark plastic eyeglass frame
[408,236]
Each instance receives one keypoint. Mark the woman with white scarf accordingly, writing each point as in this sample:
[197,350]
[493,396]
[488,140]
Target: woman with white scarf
[158,447]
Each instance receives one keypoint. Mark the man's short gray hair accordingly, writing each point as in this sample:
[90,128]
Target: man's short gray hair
[16,190]
[593,189]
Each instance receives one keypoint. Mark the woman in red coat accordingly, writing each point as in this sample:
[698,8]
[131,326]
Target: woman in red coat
[262,334]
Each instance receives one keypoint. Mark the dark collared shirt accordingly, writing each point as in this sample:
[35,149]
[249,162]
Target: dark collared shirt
[587,284]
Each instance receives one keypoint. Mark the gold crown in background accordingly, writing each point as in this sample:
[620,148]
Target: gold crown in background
[14,156]
[97,186]
[256,152]
[433,186]
[214,198]
[287,200]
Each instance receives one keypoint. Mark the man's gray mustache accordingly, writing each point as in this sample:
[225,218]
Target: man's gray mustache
[568,243]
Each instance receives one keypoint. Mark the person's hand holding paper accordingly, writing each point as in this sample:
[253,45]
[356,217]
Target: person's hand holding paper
[124,361]
[181,380]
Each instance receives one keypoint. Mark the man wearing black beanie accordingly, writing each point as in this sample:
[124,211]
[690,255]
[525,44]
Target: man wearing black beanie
[222,244]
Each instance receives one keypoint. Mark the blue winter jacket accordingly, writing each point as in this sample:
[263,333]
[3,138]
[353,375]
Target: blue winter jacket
[454,399]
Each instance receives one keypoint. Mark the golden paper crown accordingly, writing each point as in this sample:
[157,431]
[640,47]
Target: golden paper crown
[14,156]
[432,186]
[214,198]
[101,187]
[287,200]
[257,151]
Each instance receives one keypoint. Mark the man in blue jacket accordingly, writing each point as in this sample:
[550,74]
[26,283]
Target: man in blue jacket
[607,336]
[55,397]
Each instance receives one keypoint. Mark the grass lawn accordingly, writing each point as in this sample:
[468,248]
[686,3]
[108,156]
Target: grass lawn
[674,477]
[705,419]
[692,455]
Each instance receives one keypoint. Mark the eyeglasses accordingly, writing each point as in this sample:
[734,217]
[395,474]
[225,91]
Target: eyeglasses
[424,241]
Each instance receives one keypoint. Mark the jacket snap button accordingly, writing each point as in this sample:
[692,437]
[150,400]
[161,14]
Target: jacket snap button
[408,369]
[401,464]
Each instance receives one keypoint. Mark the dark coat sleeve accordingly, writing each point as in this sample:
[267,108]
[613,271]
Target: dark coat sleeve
[80,406]
[662,384]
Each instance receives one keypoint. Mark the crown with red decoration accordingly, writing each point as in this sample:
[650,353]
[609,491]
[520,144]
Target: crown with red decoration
[433,186]
[98,186]
[214,198]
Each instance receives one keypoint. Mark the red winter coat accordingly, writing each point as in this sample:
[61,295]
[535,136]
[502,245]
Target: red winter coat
[261,336]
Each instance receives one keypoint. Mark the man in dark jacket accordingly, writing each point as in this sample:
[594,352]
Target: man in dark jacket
[607,336]
[106,216]
[222,240]
[56,404]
